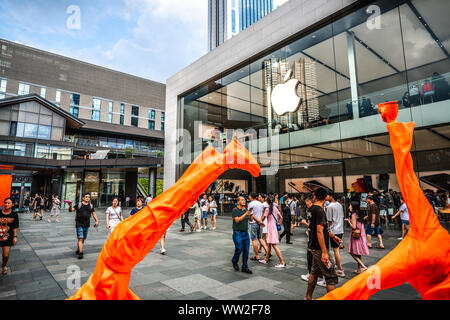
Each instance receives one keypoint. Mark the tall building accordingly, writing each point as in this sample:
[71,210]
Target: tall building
[226,18]
[305,72]
[69,127]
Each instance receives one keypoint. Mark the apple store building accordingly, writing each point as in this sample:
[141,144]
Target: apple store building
[300,88]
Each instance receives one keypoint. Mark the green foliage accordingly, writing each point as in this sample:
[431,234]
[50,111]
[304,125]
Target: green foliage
[129,152]
[159,186]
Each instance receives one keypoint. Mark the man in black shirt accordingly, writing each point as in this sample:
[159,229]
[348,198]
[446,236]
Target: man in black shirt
[318,242]
[38,207]
[287,218]
[84,211]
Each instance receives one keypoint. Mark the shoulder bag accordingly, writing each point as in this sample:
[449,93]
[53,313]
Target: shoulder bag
[276,222]
[356,232]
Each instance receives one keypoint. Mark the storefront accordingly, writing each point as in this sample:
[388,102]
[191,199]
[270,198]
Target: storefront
[307,108]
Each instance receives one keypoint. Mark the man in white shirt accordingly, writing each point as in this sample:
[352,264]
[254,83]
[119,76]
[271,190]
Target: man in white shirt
[335,218]
[256,225]
[404,216]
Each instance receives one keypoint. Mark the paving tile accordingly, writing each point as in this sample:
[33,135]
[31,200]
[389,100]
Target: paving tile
[197,266]
[261,295]
[191,283]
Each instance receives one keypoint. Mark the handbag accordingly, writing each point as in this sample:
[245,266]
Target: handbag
[276,222]
[356,233]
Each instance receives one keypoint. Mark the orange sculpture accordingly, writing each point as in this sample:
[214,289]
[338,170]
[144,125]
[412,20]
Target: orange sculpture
[134,237]
[422,258]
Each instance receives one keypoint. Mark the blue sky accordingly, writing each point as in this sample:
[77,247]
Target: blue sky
[153,39]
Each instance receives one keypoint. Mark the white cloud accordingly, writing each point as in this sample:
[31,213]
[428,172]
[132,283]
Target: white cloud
[169,35]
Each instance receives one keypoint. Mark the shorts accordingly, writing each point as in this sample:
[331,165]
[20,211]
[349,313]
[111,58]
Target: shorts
[82,232]
[319,270]
[405,222]
[255,231]
[204,214]
[372,231]
[391,211]
[383,212]
[333,244]
[213,212]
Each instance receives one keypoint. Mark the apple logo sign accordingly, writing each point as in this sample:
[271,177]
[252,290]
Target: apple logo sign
[284,96]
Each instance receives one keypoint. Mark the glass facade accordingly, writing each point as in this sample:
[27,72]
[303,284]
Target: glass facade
[96,108]
[113,143]
[330,132]
[74,104]
[3,83]
[31,120]
[23,89]
[134,116]
[103,186]
[110,112]
[122,112]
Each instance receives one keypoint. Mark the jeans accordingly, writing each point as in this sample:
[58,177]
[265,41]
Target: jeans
[242,243]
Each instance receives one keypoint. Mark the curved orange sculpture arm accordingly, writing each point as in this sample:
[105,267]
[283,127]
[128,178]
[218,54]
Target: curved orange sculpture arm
[422,258]
[134,237]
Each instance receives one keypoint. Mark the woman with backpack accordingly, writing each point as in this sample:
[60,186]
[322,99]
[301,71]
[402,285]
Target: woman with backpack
[274,217]
[113,215]
[358,240]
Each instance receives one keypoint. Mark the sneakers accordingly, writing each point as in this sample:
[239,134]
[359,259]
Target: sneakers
[247,271]
[235,266]
[213,228]
[279,266]
[322,283]
[80,255]
[263,261]
[192,228]
[340,273]
[400,239]
[163,251]
[199,230]
[289,242]
[305,277]
[181,230]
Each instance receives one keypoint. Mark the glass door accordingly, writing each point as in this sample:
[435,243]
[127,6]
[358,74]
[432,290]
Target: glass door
[92,185]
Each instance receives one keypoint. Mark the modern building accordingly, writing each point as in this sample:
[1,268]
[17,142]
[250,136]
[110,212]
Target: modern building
[69,127]
[226,18]
[333,61]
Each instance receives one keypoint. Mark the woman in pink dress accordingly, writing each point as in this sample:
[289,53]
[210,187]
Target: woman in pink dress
[272,213]
[358,246]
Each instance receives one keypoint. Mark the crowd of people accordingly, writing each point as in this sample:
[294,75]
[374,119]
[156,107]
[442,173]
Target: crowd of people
[263,220]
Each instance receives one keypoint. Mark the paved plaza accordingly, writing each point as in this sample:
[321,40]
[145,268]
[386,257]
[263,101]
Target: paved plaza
[196,266]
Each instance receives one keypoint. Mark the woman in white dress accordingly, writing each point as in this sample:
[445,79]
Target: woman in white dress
[56,203]
[113,216]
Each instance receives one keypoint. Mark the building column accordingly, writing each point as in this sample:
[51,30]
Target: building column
[152,182]
[351,53]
